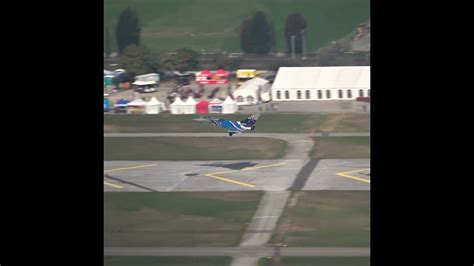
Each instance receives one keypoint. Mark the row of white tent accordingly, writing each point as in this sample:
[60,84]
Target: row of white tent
[229,106]
[152,107]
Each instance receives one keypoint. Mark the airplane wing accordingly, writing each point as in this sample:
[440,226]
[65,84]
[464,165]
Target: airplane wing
[210,120]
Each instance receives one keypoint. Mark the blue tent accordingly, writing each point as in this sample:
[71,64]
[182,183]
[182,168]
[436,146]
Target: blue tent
[122,103]
[106,105]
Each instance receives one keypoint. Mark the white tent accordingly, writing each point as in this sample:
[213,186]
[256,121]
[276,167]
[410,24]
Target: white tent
[137,103]
[229,106]
[153,106]
[252,91]
[136,106]
[190,106]
[321,83]
[177,107]
[215,106]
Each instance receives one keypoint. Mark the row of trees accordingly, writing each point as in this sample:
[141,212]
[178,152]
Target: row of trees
[257,35]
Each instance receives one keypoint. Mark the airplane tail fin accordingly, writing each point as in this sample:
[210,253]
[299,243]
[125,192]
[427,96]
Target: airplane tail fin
[251,120]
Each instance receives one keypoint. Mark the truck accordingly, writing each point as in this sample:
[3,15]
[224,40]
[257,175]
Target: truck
[147,82]
[245,74]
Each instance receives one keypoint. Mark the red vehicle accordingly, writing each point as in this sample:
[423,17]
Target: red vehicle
[363,99]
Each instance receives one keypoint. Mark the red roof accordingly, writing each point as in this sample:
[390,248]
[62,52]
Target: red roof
[205,73]
[222,73]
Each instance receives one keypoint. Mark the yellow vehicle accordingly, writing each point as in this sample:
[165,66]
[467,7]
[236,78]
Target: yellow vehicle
[245,74]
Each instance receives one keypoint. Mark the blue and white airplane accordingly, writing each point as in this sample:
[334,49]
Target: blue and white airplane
[232,126]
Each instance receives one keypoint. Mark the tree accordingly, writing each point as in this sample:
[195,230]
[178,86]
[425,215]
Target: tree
[107,44]
[293,25]
[245,39]
[256,35]
[273,37]
[183,60]
[128,29]
[138,60]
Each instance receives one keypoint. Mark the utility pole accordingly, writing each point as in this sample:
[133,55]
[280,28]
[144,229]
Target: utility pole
[293,55]
[303,43]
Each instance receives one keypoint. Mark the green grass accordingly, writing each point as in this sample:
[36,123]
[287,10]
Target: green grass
[271,122]
[340,147]
[319,261]
[326,219]
[192,148]
[181,219]
[168,24]
[168,261]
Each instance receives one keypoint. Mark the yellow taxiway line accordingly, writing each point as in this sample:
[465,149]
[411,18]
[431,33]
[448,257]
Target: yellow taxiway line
[215,175]
[112,185]
[127,168]
[263,166]
[345,174]
[230,180]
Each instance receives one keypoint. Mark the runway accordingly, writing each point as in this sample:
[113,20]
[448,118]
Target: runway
[266,175]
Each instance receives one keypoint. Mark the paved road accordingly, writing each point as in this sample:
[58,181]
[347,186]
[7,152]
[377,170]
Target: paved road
[264,221]
[251,251]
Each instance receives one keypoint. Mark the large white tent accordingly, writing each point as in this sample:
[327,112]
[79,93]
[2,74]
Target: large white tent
[153,106]
[321,83]
[178,106]
[229,106]
[190,106]
[252,91]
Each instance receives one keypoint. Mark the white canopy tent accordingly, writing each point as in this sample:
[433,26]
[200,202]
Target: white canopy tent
[153,106]
[136,106]
[178,106]
[215,106]
[190,106]
[137,103]
[252,91]
[229,106]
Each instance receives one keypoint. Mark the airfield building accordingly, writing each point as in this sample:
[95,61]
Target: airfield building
[321,83]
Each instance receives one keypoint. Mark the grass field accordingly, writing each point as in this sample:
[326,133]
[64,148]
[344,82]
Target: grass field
[168,261]
[340,148]
[319,261]
[192,148]
[170,24]
[181,219]
[325,219]
[268,122]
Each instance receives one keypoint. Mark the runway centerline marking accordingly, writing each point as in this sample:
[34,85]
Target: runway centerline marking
[215,175]
[345,174]
[112,185]
[127,168]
